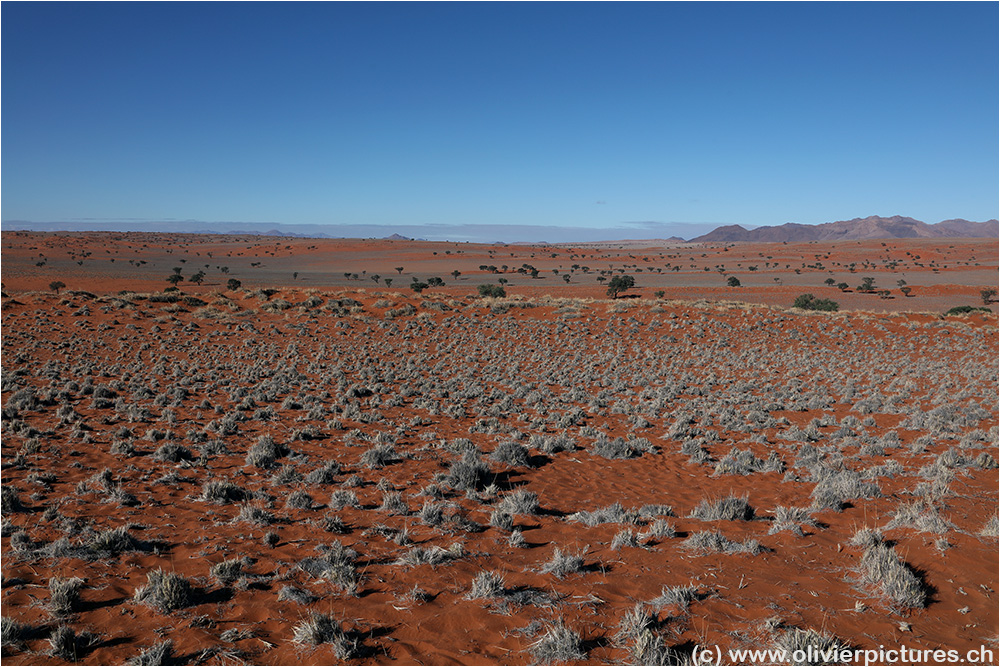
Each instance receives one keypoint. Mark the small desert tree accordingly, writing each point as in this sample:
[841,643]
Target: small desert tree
[233,284]
[388,282]
[733,281]
[456,273]
[399,270]
[619,284]
[987,295]
[198,278]
[496,291]
[175,278]
[56,285]
[809,302]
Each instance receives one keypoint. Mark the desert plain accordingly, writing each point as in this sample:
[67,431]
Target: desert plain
[298,458]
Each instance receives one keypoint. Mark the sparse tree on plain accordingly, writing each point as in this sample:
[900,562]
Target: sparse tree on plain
[496,291]
[809,302]
[619,284]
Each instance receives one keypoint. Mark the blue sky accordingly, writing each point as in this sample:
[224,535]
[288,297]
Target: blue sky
[580,115]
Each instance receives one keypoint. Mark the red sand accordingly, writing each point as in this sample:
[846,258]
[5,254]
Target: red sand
[439,372]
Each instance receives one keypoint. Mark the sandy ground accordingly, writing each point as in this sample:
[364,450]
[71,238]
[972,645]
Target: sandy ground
[423,442]
[941,273]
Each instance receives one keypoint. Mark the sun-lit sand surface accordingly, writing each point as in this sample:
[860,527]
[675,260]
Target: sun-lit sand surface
[365,452]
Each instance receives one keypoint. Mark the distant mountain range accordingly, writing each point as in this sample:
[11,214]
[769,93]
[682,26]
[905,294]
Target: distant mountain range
[473,233]
[872,227]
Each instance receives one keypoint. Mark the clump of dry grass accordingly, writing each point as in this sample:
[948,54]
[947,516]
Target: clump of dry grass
[165,591]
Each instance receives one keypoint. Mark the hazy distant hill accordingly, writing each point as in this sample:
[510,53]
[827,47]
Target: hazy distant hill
[873,227]
[474,233]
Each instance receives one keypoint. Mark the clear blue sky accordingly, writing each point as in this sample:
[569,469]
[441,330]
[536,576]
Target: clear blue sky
[527,113]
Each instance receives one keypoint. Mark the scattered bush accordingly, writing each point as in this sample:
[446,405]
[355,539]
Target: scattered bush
[731,508]
[965,310]
[296,595]
[494,291]
[223,492]
[716,542]
[65,644]
[165,591]
[64,595]
[511,453]
[486,585]
[562,564]
[809,302]
[558,644]
[882,568]
[265,452]
[324,629]
[161,653]
[519,501]
[228,571]
[469,473]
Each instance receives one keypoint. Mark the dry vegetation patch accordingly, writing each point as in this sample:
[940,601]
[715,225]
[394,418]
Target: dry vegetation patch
[308,477]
